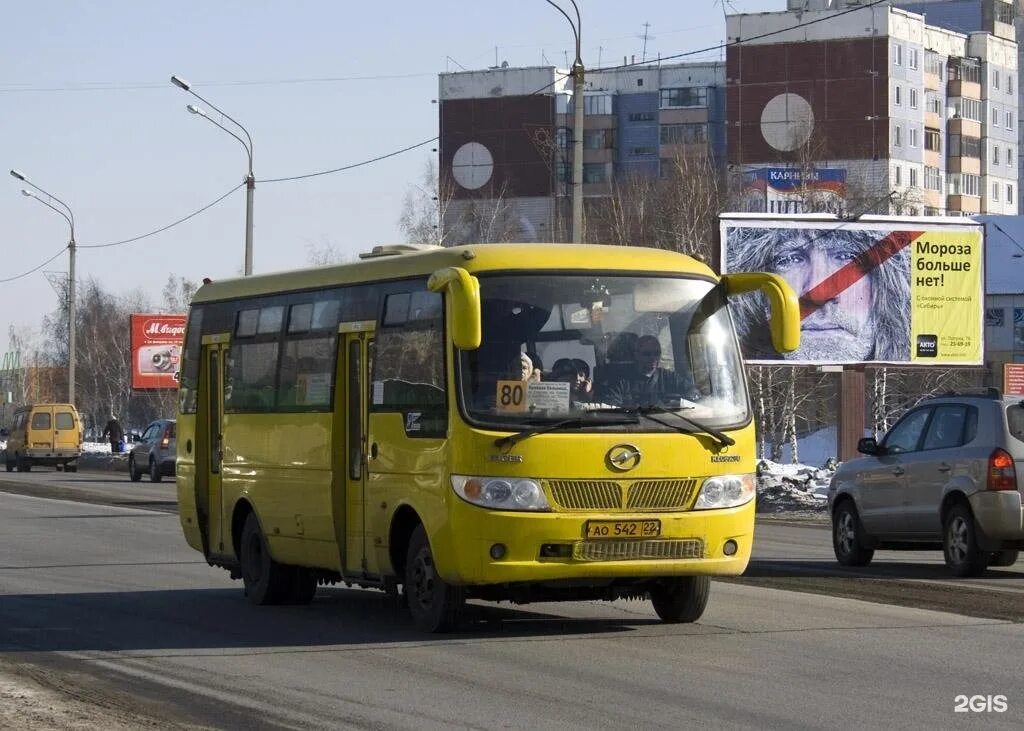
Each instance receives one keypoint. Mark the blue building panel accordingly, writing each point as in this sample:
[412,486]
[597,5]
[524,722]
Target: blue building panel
[637,143]
[962,16]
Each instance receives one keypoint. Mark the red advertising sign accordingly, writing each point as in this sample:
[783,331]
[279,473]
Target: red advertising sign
[1013,379]
[156,350]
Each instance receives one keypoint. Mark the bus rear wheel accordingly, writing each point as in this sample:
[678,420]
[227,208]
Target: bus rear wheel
[435,605]
[681,598]
[266,581]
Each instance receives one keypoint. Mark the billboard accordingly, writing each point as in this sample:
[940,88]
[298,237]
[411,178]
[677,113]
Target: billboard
[788,190]
[894,290]
[156,350]
[1013,379]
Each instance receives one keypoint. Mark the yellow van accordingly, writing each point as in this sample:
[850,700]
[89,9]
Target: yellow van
[44,434]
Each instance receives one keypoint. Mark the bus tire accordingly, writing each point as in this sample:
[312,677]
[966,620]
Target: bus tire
[680,599]
[302,587]
[435,606]
[266,581]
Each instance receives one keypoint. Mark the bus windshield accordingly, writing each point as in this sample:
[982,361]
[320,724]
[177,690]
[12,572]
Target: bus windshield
[566,345]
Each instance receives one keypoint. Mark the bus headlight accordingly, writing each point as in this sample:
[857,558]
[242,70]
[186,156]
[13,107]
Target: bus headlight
[725,491]
[501,493]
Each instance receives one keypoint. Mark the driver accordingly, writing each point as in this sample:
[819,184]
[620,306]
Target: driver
[649,383]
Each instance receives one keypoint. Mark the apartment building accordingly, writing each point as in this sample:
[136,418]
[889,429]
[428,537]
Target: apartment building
[915,118]
[506,139]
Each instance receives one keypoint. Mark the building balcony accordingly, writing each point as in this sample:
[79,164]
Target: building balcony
[933,120]
[933,198]
[933,158]
[965,203]
[970,89]
[966,127]
[970,165]
[932,82]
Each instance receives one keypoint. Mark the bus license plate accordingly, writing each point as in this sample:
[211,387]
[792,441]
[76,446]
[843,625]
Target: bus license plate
[623,528]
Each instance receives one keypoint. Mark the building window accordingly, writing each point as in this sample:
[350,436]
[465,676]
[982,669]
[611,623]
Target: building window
[684,96]
[1009,156]
[995,117]
[642,151]
[562,137]
[929,211]
[932,178]
[897,139]
[964,69]
[995,79]
[597,139]
[913,98]
[1009,193]
[1009,83]
[964,184]
[1009,120]
[966,108]
[995,154]
[995,192]
[932,139]
[898,98]
[597,104]
[913,178]
[642,116]
[932,103]
[595,172]
[934,63]
[912,137]
[995,316]
[912,58]
[675,134]
[899,175]
[897,54]
[564,169]
[961,146]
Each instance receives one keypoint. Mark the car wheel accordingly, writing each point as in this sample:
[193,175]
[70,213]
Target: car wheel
[680,599]
[435,605]
[154,471]
[266,581]
[1007,557]
[960,543]
[71,468]
[23,464]
[848,536]
[59,467]
[133,473]
[8,462]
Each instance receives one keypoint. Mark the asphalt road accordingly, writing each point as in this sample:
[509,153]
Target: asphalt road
[107,601]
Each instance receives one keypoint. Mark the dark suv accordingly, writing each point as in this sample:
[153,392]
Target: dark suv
[949,475]
[155,453]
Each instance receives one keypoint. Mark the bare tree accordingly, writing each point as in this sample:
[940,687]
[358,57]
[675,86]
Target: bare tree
[426,206]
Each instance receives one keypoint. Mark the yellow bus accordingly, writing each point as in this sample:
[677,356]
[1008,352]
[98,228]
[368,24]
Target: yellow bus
[503,422]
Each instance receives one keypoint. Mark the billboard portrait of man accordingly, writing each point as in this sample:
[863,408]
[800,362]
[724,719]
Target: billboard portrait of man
[854,295]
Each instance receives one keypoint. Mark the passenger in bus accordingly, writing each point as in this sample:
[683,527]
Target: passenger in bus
[650,384]
[576,373]
[522,369]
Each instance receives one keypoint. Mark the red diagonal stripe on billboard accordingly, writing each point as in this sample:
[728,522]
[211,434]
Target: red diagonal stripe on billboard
[839,280]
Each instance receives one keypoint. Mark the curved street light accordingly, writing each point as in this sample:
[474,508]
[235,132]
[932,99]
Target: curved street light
[577,125]
[250,179]
[69,216]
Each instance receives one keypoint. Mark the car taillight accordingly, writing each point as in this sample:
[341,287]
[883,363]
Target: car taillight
[165,442]
[1001,473]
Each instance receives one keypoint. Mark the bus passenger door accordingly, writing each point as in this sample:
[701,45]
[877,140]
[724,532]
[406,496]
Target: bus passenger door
[350,447]
[215,358]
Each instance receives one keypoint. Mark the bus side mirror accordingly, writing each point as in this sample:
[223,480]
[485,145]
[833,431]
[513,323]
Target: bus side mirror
[463,304]
[785,320]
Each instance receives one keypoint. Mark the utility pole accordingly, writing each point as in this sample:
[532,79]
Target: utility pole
[577,127]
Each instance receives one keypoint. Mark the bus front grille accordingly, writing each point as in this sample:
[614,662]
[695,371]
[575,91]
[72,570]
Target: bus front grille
[637,550]
[661,495]
[586,494]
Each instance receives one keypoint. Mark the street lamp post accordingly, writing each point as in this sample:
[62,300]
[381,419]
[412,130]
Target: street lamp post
[250,179]
[577,125]
[70,218]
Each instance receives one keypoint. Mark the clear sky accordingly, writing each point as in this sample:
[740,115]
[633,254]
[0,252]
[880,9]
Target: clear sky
[88,113]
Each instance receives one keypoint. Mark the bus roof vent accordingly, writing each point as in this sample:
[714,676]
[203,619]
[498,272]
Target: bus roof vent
[396,249]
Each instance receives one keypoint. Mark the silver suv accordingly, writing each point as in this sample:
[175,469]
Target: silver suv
[949,475]
[155,453]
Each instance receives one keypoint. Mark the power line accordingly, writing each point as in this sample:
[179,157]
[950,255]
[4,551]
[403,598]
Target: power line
[164,228]
[34,269]
[10,88]
[349,167]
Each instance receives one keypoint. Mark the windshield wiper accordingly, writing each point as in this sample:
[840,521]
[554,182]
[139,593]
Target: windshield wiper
[723,439]
[512,439]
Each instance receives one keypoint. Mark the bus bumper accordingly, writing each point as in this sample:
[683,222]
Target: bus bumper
[553,546]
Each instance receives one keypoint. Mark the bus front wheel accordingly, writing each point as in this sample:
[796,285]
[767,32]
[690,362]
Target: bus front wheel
[435,605]
[266,581]
[681,598]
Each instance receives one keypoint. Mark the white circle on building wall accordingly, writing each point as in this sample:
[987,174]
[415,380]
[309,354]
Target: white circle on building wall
[472,165]
[787,122]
